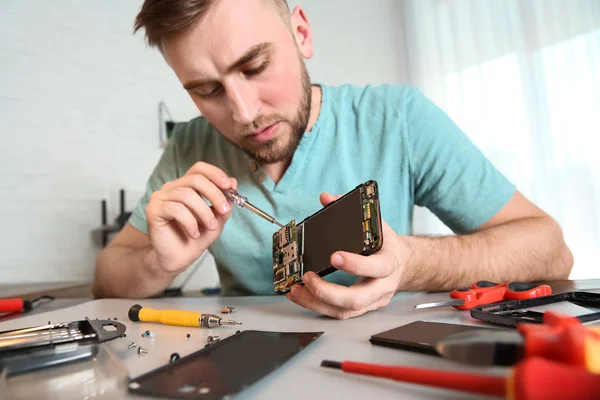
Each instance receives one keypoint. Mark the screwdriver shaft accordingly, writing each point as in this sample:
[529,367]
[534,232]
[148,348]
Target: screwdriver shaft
[234,197]
[261,213]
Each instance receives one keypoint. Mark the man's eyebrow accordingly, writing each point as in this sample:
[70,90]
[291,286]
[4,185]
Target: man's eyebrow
[248,56]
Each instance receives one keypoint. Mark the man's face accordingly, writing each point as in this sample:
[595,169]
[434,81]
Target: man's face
[244,70]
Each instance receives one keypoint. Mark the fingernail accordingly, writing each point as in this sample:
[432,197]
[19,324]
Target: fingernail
[337,260]
[225,179]
[225,206]
[306,278]
[196,235]
[213,223]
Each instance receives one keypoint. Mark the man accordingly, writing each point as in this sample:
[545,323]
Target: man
[281,141]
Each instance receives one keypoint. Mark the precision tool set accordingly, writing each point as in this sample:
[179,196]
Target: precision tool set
[23,350]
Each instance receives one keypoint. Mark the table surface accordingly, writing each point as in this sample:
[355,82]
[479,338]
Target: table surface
[299,378]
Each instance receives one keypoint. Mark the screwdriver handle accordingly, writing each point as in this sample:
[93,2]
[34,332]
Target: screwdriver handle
[11,305]
[532,379]
[234,197]
[168,317]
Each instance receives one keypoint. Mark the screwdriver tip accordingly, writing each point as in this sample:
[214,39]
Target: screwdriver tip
[230,322]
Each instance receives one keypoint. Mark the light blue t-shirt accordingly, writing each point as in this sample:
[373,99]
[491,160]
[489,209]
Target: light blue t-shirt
[391,134]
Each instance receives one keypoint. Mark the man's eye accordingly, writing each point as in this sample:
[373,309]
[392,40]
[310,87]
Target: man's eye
[256,71]
[212,93]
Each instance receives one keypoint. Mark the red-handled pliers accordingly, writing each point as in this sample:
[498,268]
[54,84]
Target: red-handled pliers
[484,292]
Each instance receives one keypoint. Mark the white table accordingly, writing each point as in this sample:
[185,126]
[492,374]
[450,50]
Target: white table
[301,377]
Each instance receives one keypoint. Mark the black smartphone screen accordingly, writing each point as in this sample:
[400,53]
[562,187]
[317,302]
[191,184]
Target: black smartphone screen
[225,367]
[419,336]
[339,227]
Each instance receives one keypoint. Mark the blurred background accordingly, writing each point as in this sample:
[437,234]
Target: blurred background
[85,107]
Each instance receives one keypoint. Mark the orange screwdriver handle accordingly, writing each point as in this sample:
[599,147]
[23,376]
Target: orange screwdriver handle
[564,339]
[11,305]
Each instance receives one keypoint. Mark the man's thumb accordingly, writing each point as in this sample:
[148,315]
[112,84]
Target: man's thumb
[327,198]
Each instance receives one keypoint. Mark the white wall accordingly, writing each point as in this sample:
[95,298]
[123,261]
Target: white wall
[78,109]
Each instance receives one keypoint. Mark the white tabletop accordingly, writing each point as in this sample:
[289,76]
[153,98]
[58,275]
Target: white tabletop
[301,377]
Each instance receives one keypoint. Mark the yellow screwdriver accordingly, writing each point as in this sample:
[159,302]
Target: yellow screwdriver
[177,317]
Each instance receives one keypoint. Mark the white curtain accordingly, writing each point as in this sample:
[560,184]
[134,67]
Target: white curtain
[522,79]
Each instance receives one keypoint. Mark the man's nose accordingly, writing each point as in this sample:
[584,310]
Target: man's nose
[243,102]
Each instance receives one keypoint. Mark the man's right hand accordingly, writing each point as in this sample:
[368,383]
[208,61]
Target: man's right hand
[181,225]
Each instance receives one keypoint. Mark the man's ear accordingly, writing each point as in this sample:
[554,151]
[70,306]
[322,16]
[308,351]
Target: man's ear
[302,32]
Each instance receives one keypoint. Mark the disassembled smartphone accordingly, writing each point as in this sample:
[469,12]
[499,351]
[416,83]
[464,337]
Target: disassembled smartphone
[351,223]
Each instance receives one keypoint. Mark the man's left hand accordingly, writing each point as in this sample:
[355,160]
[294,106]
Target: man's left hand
[381,274]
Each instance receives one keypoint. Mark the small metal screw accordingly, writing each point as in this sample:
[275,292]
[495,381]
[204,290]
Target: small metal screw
[131,346]
[212,339]
[142,350]
[124,335]
[145,334]
[188,336]
[174,357]
[115,318]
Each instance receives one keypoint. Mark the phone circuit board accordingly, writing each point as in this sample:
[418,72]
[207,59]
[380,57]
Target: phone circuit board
[371,220]
[351,223]
[287,265]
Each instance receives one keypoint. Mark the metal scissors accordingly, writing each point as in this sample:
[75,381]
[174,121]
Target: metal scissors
[484,292]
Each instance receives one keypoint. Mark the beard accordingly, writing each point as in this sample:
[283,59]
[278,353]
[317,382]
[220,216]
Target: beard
[283,147]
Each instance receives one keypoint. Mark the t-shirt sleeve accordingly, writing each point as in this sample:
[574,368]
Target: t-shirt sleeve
[452,177]
[166,170]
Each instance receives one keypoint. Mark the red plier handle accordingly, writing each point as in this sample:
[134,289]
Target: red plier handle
[484,292]
[563,339]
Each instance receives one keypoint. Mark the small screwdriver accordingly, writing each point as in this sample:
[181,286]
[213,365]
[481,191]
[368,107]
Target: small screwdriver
[177,317]
[233,197]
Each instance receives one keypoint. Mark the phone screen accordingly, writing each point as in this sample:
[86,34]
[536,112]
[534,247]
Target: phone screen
[419,336]
[225,367]
[338,227]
